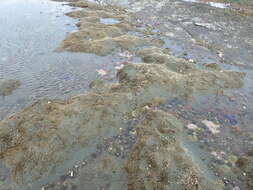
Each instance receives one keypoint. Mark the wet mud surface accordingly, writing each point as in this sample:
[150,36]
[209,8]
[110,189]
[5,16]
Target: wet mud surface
[171,107]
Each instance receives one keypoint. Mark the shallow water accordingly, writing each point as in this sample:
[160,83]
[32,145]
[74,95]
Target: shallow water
[31,30]
[109,21]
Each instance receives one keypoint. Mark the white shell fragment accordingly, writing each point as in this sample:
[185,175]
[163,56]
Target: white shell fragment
[213,128]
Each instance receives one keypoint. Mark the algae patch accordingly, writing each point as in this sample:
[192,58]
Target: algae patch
[157,160]
[101,36]
[45,137]
[8,86]
[245,163]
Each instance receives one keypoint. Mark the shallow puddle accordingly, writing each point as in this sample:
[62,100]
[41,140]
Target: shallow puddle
[109,21]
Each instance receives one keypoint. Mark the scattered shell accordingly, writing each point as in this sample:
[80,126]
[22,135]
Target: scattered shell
[119,67]
[71,173]
[211,126]
[84,163]
[102,72]
[206,25]
[192,126]
[218,155]
[220,54]
[127,55]
[191,61]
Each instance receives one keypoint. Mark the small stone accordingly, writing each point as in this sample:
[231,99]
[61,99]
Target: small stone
[232,98]
[236,129]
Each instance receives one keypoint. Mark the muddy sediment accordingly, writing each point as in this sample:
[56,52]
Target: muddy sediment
[39,144]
